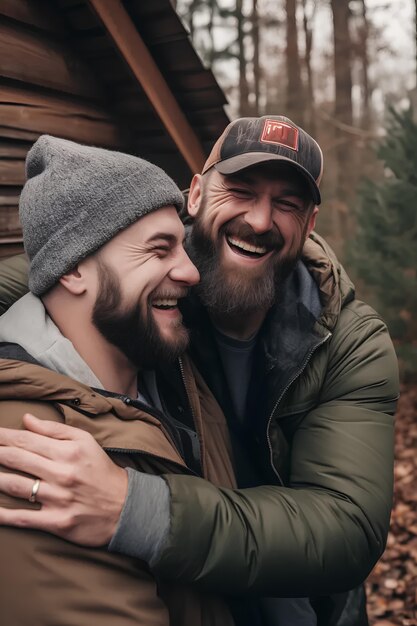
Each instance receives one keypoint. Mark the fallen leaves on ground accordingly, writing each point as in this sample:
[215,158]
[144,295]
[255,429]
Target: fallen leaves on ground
[392,586]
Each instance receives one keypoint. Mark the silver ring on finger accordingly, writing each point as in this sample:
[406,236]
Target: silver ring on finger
[35,489]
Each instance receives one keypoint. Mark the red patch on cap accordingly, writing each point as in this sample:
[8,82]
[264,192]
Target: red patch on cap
[281,133]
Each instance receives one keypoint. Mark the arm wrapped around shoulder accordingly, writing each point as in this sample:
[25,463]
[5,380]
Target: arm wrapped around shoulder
[324,532]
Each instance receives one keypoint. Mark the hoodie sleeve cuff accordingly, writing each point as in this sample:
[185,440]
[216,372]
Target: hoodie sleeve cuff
[144,522]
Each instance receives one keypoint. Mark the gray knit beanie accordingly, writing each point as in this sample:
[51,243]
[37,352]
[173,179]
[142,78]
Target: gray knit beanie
[76,198]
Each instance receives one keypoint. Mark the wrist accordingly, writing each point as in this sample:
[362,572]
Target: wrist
[144,521]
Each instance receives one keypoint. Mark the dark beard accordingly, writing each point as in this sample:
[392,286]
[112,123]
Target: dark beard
[137,337]
[239,293]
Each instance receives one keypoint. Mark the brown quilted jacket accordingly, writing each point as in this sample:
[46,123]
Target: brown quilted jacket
[47,581]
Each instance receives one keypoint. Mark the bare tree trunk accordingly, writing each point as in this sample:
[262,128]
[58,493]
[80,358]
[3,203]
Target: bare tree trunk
[210,26]
[244,106]
[295,99]
[256,62]
[343,110]
[364,55]
[308,35]
[191,13]
[415,28]
[342,61]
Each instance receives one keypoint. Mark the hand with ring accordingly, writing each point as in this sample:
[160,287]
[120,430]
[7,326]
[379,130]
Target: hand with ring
[67,467]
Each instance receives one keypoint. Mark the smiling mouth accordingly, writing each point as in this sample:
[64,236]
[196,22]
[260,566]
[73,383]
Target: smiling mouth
[165,304]
[244,248]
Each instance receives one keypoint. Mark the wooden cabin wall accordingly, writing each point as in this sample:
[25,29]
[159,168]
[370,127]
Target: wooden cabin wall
[44,88]
[60,73]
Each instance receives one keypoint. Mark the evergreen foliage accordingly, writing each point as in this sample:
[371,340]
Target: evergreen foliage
[384,252]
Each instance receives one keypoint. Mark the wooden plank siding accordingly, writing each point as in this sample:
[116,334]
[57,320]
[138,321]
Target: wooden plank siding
[31,57]
[10,232]
[34,112]
[45,87]
[62,73]
[39,15]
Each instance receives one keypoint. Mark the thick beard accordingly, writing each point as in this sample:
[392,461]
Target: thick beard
[235,293]
[135,335]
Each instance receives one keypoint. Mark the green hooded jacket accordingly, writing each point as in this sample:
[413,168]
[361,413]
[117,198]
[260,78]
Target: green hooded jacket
[325,428]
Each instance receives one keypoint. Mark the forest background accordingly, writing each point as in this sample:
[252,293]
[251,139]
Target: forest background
[339,68]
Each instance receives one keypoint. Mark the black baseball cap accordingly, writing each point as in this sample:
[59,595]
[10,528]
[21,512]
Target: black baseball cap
[248,141]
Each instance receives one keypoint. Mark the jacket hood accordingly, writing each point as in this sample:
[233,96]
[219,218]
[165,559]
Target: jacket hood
[27,324]
[335,287]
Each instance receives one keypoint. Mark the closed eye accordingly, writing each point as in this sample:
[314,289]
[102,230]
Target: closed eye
[288,205]
[240,192]
[161,250]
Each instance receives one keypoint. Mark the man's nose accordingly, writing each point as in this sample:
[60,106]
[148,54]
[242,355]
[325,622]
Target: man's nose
[259,217]
[185,271]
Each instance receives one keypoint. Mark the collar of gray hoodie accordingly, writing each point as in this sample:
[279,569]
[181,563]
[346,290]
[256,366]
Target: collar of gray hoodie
[28,324]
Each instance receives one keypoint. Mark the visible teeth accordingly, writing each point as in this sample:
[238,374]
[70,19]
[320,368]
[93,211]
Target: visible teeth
[239,243]
[165,302]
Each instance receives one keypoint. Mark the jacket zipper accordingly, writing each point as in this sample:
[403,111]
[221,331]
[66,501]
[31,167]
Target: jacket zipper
[198,434]
[184,468]
[138,404]
[186,390]
[168,427]
[293,379]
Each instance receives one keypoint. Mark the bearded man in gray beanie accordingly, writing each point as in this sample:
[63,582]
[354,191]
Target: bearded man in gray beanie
[107,268]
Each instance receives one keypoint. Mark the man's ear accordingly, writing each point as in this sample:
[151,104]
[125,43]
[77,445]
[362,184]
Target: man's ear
[312,221]
[74,281]
[195,195]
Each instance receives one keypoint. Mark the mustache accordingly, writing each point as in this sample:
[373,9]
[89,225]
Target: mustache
[271,240]
[167,294]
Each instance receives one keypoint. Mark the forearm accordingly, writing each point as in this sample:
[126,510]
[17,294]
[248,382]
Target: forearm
[273,540]
[269,540]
